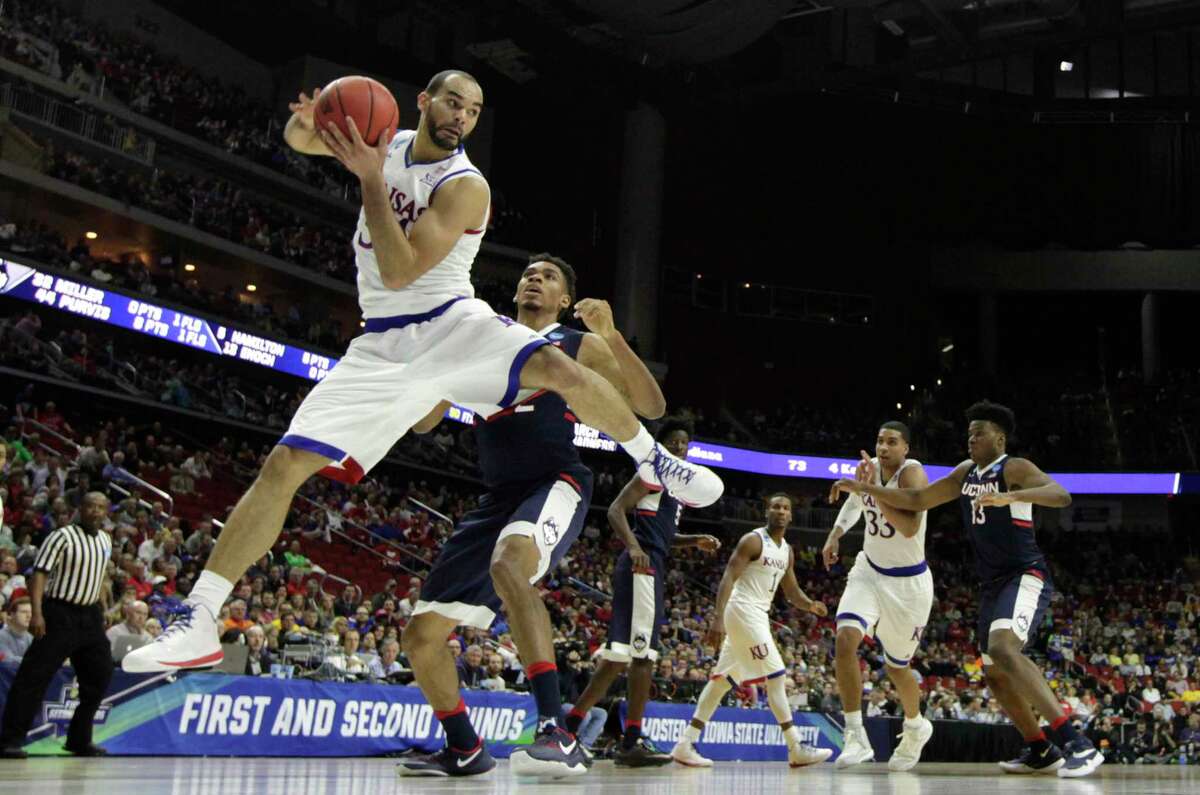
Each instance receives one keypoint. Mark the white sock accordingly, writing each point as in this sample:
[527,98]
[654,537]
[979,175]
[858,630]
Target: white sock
[691,734]
[210,591]
[640,446]
[912,723]
[792,736]
[854,719]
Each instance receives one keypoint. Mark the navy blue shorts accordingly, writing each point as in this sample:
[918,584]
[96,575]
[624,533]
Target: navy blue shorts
[637,610]
[551,512]
[1017,603]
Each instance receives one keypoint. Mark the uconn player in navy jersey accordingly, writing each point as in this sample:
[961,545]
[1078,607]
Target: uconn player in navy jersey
[997,493]
[534,508]
[637,586]
[426,339]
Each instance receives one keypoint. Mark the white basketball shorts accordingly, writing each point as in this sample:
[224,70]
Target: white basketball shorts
[893,608]
[749,654]
[399,370]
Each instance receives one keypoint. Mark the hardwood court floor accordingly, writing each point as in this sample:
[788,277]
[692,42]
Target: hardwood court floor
[277,776]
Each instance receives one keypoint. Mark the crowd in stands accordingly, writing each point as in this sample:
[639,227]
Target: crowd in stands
[87,56]
[118,66]
[1120,641]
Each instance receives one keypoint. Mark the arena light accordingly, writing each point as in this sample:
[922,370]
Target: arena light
[898,406]
[251,288]
[948,348]
[1065,66]
[189,267]
[91,235]
[912,387]
[939,382]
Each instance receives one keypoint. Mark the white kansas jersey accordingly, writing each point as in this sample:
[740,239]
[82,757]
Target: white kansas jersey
[885,546]
[411,185]
[756,587]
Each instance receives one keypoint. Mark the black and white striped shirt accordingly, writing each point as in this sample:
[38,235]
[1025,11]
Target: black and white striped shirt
[75,562]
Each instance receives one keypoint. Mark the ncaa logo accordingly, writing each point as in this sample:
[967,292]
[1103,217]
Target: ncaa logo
[639,643]
[550,532]
[1023,622]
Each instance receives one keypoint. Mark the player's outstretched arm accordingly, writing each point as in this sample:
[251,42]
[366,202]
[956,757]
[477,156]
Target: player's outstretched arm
[606,351]
[301,133]
[795,594]
[1027,483]
[747,551]
[937,493]
[618,520]
[907,523]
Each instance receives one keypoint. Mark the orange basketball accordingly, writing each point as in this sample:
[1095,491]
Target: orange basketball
[367,101]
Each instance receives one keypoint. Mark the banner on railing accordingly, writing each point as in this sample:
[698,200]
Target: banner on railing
[203,714]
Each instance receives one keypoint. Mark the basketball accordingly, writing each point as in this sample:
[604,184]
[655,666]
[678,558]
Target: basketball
[367,101]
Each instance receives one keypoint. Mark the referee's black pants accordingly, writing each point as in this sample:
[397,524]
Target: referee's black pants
[71,631]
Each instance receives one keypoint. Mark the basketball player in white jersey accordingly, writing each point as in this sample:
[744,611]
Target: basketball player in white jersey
[762,561]
[427,339]
[889,594]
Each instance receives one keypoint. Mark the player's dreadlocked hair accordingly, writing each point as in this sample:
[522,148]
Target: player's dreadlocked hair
[1001,416]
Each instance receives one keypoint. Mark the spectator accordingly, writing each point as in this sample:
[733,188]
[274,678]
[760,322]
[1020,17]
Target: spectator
[494,676]
[470,667]
[14,635]
[385,664]
[136,615]
[260,659]
[237,621]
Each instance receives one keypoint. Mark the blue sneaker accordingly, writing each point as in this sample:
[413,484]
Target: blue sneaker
[448,762]
[1082,759]
[555,753]
[1030,761]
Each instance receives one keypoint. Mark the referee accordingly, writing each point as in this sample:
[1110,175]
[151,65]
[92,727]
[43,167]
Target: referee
[68,621]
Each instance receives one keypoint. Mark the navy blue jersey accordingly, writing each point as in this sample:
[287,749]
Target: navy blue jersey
[657,522]
[532,439]
[1002,536]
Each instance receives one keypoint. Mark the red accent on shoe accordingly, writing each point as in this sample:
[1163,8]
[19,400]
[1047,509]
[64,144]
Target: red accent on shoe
[633,724]
[1039,737]
[539,668]
[577,713]
[213,658]
[1058,722]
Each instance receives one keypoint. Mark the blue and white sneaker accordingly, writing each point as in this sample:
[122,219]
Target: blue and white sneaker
[554,753]
[693,485]
[1082,759]
[448,762]
[1030,762]
[190,641]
